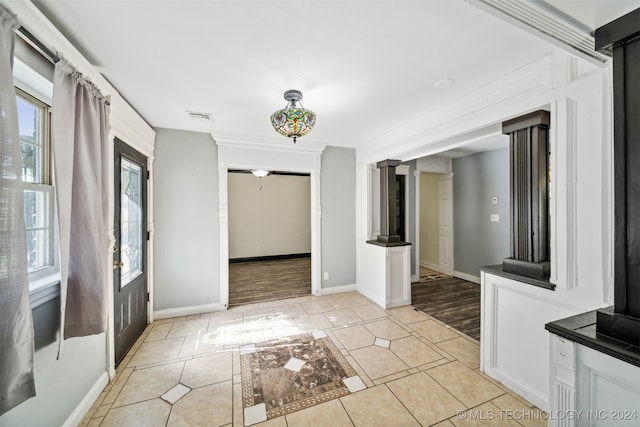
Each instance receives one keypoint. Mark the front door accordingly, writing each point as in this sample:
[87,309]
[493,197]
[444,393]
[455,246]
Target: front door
[129,258]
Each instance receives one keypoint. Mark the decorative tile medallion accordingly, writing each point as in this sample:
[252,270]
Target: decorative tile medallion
[267,379]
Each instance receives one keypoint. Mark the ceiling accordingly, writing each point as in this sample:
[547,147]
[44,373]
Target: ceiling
[364,67]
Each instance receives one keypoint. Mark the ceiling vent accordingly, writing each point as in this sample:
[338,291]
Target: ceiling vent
[544,19]
[195,115]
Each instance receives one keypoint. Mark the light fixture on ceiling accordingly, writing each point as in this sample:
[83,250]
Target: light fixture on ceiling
[260,173]
[293,121]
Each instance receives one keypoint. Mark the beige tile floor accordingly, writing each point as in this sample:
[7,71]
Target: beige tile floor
[428,374]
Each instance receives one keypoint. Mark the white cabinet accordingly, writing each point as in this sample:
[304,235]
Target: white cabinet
[385,274]
[590,388]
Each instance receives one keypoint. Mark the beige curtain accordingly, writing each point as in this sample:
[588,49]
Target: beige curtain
[16,324]
[79,126]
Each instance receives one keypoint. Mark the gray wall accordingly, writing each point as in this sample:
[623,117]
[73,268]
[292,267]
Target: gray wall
[478,241]
[338,194]
[60,384]
[185,202]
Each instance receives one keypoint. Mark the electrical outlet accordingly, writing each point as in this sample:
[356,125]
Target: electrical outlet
[495,218]
[325,276]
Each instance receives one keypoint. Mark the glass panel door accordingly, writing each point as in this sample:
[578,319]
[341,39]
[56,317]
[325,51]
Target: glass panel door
[131,216]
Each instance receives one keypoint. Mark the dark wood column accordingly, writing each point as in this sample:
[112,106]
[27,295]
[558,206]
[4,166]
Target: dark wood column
[388,224]
[621,38]
[529,166]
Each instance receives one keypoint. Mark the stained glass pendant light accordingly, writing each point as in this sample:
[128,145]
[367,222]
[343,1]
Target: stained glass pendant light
[293,121]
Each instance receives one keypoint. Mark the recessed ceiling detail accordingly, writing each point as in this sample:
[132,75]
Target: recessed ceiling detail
[551,22]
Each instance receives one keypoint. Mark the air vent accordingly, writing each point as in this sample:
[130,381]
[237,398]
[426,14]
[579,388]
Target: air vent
[195,115]
[549,21]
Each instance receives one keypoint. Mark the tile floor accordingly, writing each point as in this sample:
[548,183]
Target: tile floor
[417,372]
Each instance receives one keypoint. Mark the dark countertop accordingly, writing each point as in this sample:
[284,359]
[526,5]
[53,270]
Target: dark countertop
[581,329]
[388,244]
[531,280]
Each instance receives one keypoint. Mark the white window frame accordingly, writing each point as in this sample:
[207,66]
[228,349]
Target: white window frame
[35,88]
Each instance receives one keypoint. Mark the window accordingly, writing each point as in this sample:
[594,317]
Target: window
[33,123]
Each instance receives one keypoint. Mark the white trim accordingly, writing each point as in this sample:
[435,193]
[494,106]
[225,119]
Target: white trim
[243,152]
[496,358]
[447,181]
[45,293]
[187,311]
[608,198]
[338,289]
[563,206]
[546,24]
[32,82]
[467,277]
[416,237]
[87,401]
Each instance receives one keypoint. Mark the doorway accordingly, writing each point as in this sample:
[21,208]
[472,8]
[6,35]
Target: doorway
[436,222]
[129,257]
[249,155]
[269,236]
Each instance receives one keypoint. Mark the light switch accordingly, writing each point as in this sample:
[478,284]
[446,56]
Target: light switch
[494,200]
[495,218]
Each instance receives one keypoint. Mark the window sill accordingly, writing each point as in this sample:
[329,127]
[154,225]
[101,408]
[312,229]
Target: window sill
[44,289]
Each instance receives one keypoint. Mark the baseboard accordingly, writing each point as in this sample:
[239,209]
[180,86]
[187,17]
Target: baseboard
[531,395]
[467,277]
[187,311]
[87,402]
[337,290]
[270,258]
[430,266]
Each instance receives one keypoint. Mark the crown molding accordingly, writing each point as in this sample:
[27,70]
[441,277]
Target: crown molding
[227,139]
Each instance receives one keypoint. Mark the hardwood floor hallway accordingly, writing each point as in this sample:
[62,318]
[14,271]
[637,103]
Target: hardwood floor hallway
[259,281]
[453,301]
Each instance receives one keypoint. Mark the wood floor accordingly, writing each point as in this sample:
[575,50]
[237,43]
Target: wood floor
[453,301]
[258,281]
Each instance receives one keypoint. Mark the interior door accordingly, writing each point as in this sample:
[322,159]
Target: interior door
[129,258]
[445,190]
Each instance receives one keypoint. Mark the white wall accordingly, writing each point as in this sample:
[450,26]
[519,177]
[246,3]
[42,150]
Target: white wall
[429,220]
[186,221]
[269,216]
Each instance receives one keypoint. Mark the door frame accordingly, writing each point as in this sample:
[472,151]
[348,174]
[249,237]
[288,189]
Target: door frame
[443,167]
[129,152]
[144,147]
[237,152]
[449,219]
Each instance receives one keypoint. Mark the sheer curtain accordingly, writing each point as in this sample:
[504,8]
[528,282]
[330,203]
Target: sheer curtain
[79,126]
[16,324]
